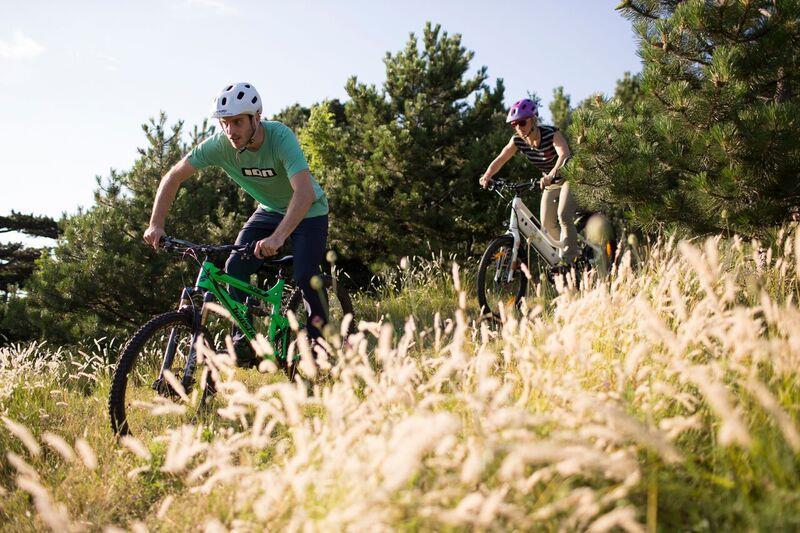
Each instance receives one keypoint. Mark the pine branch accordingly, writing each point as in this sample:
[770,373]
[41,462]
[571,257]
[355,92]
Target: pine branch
[627,4]
[35,226]
[781,86]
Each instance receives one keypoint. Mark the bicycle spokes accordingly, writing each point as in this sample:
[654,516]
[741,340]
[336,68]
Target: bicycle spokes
[501,282]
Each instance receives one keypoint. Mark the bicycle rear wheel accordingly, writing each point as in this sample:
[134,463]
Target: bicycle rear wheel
[338,308]
[138,377]
[336,300]
[600,250]
[495,290]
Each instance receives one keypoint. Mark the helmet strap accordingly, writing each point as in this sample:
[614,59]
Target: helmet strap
[252,134]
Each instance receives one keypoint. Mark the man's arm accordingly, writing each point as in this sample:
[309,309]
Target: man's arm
[167,190]
[302,198]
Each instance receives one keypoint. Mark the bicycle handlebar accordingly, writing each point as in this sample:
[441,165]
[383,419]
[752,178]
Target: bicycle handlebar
[500,184]
[172,244]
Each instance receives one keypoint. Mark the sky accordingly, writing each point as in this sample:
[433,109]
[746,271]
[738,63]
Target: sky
[79,78]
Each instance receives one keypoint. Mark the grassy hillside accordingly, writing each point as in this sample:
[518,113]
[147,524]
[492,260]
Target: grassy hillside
[666,397]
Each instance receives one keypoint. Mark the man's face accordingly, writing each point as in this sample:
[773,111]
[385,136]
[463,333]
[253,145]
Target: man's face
[238,129]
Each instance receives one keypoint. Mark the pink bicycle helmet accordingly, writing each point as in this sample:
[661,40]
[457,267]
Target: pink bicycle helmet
[525,108]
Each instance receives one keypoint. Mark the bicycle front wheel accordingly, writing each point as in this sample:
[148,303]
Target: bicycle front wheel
[495,289]
[166,341]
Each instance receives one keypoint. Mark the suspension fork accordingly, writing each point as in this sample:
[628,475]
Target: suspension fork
[169,354]
[198,321]
[197,330]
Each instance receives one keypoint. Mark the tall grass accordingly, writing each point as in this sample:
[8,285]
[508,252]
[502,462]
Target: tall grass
[664,397]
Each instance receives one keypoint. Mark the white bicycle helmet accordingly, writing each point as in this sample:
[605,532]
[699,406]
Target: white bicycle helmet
[235,100]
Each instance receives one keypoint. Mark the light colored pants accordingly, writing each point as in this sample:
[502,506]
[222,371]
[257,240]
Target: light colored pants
[558,218]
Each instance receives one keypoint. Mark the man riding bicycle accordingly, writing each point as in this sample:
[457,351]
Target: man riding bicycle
[265,159]
[546,148]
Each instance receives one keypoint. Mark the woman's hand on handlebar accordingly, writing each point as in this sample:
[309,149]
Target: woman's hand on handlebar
[485,181]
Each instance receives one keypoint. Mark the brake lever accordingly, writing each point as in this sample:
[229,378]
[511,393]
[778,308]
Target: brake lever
[249,251]
[496,185]
[167,244]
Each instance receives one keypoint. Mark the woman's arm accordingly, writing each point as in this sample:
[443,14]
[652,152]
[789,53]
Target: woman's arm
[562,149]
[507,153]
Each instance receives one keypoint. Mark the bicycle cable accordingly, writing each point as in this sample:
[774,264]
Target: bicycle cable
[193,255]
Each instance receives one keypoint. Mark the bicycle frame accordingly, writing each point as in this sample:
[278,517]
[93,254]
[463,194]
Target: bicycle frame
[213,281]
[524,224]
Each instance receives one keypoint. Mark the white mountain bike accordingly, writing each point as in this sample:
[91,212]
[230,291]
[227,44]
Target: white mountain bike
[502,280]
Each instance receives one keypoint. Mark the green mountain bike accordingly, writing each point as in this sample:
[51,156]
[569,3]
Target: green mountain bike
[170,341]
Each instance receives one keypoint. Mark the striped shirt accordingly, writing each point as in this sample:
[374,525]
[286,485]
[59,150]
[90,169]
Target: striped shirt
[544,157]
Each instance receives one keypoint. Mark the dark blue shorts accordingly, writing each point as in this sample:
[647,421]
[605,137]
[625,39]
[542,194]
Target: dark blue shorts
[309,243]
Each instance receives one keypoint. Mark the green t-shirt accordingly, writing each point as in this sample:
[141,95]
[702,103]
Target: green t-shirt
[263,174]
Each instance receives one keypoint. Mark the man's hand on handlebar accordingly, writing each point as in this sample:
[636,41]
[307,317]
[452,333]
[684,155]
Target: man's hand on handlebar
[268,247]
[485,182]
[152,236]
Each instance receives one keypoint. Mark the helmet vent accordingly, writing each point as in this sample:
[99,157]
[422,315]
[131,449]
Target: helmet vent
[236,99]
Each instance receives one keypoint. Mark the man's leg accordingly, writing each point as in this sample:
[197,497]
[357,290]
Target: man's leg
[260,225]
[566,219]
[309,242]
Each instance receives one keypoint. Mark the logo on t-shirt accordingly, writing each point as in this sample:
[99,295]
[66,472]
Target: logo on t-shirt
[259,172]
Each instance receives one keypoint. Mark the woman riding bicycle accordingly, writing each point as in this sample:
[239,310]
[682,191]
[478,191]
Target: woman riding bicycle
[546,148]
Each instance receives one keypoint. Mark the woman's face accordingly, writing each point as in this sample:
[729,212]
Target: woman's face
[524,126]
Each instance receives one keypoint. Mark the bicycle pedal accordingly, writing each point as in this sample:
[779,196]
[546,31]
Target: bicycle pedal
[158,385]
[242,362]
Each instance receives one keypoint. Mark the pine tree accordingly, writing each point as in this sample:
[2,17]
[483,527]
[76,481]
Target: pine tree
[17,264]
[33,225]
[295,116]
[711,142]
[629,90]
[16,260]
[560,109]
[401,169]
